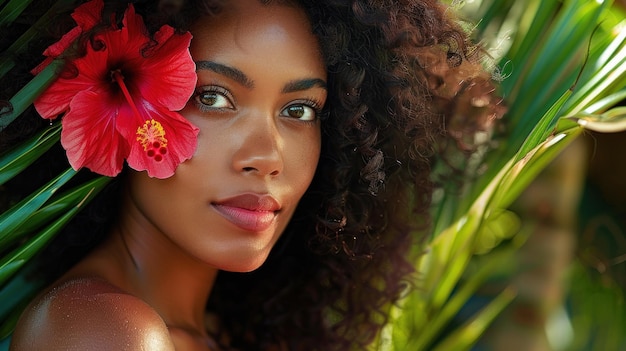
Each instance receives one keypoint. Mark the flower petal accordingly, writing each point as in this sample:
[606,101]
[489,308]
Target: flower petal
[181,139]
[170,84]
[163,70]
[90,137]
[90,71]
[56,99]
[53,51]
[88,14]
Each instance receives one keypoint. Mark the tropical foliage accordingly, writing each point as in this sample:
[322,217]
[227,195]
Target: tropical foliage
[563,69]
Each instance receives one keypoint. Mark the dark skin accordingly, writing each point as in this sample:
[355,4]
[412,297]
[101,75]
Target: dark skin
[146,286]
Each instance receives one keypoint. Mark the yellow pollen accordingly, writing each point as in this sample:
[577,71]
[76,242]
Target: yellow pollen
[152,137]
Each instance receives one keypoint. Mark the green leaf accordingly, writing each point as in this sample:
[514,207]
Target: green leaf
[527,168]
[611,121]
[493,11]
[28,94]
[9,268]
[59,206]
[20,288]
[9,323]
[555,67]
[453,305]
[12,10]
[18,214]
[499,225]
[546,61]
[543,128]
[606,102]
[610,77]
[541,131]
[464,337]
[25,154]
[26,251]
[450,251]
[528,38]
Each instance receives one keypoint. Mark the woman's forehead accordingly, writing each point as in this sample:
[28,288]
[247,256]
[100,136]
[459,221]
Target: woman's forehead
[250,24]
[272,40]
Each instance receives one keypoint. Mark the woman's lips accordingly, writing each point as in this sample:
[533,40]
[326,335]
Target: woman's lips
[250,212]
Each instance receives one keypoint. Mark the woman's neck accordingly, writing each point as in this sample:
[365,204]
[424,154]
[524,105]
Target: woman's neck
[146,263]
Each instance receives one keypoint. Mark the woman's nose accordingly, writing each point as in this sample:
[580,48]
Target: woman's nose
[261,148]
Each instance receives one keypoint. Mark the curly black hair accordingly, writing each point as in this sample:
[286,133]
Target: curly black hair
[405,87]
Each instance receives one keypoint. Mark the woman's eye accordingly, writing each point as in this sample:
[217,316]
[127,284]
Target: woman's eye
[300,111]
[207,100]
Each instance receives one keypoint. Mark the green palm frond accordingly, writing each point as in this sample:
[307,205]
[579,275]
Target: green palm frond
[19,213]
[25,97]
[12,10]
[563,69]
[19,158]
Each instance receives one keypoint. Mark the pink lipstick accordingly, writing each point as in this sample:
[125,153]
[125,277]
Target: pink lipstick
[249,211]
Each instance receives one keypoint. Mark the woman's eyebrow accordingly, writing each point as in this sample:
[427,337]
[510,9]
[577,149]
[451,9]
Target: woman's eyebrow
[241,78]
[227,71]
[304,84]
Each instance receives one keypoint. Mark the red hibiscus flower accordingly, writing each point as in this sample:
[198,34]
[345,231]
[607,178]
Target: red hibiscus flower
[121,99]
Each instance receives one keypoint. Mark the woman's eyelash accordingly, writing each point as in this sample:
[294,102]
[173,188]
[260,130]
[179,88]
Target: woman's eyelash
[314,104]
[306,110]
[214,98]
[206,97]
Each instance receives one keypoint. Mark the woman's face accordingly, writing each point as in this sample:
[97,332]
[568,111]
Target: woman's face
[261,81]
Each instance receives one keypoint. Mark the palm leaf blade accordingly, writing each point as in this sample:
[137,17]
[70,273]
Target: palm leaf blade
[14,162]
[25,252]
[18,214]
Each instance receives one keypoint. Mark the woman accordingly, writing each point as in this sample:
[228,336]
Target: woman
[293,212]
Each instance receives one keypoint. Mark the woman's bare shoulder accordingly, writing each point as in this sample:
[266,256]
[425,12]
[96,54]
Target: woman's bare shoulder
[90,314]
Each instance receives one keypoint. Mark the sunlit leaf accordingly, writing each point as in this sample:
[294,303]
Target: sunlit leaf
[606,102]
[457,300]
[464,337]
[611,121]
[526,169]
[608,74]
[543,128]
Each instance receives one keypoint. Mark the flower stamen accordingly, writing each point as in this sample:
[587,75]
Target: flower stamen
[152,137]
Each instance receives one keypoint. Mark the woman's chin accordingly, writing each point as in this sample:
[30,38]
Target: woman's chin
[243,265]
